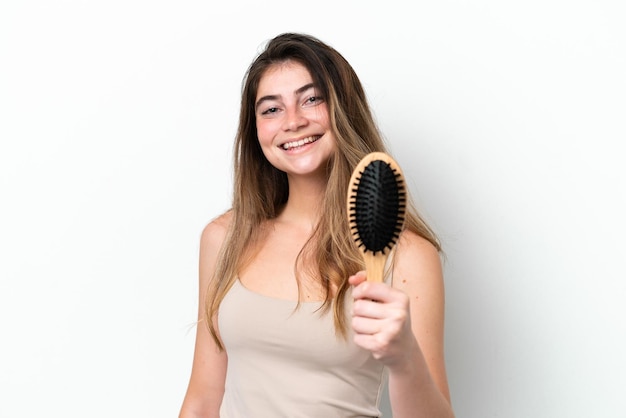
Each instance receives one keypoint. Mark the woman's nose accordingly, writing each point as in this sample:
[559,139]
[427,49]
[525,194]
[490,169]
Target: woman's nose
[294,120]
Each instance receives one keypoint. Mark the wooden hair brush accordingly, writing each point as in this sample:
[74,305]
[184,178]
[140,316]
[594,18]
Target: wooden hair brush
[376,209]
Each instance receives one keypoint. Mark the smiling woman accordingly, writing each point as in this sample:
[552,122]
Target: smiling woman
[289,325]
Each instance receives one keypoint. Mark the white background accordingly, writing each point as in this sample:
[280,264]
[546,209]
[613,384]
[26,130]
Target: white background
[116,126]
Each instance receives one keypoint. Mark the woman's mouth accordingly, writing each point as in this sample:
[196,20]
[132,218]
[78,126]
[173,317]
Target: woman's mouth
[300,142]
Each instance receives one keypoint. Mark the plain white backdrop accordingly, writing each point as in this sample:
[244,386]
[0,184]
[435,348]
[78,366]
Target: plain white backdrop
[116,127]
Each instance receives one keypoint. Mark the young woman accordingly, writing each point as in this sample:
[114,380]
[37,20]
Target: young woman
[289,325]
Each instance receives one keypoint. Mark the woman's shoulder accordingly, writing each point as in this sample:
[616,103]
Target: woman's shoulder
[215,231]
[414,245]
[416,257]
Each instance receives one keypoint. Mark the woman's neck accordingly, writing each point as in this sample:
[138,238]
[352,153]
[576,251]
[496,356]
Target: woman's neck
[305,201]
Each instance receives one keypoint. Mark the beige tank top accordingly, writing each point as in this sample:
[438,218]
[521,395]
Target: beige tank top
[289,363]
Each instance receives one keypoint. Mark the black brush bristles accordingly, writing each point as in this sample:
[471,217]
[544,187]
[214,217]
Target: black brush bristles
[376,204]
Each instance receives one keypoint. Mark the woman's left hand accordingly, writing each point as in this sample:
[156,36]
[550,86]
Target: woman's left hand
[381,321]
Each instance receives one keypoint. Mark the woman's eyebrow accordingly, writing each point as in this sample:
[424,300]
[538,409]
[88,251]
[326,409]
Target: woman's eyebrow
[270,97]
[265,99]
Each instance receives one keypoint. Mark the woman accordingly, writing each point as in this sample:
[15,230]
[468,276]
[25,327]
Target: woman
[293,329]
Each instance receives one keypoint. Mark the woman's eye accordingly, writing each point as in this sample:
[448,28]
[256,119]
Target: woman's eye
[269,111]
[314,100]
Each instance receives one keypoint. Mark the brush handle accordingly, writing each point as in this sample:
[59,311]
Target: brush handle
[375,266]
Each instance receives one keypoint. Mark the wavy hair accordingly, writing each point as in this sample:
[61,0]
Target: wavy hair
[260,190]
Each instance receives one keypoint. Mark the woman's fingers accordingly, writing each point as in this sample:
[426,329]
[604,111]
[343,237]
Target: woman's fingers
[370,317]
[379,292]
[357,278]
[380,318]
[365,326]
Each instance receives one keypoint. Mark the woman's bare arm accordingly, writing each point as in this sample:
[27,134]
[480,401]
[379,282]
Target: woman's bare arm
[206,384]
[402,326]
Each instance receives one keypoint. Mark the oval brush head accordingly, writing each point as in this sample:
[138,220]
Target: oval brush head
[376,209]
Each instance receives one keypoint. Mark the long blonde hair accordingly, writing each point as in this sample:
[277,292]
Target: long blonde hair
[260,190]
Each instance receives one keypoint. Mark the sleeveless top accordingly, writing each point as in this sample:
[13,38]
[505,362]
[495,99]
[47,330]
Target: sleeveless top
[287,362]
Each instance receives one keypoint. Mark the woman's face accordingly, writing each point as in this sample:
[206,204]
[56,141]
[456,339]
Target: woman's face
[292,121]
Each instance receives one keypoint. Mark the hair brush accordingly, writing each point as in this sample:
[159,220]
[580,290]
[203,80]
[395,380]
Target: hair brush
[376,208]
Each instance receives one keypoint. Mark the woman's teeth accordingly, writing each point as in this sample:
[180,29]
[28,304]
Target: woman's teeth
[295,144]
